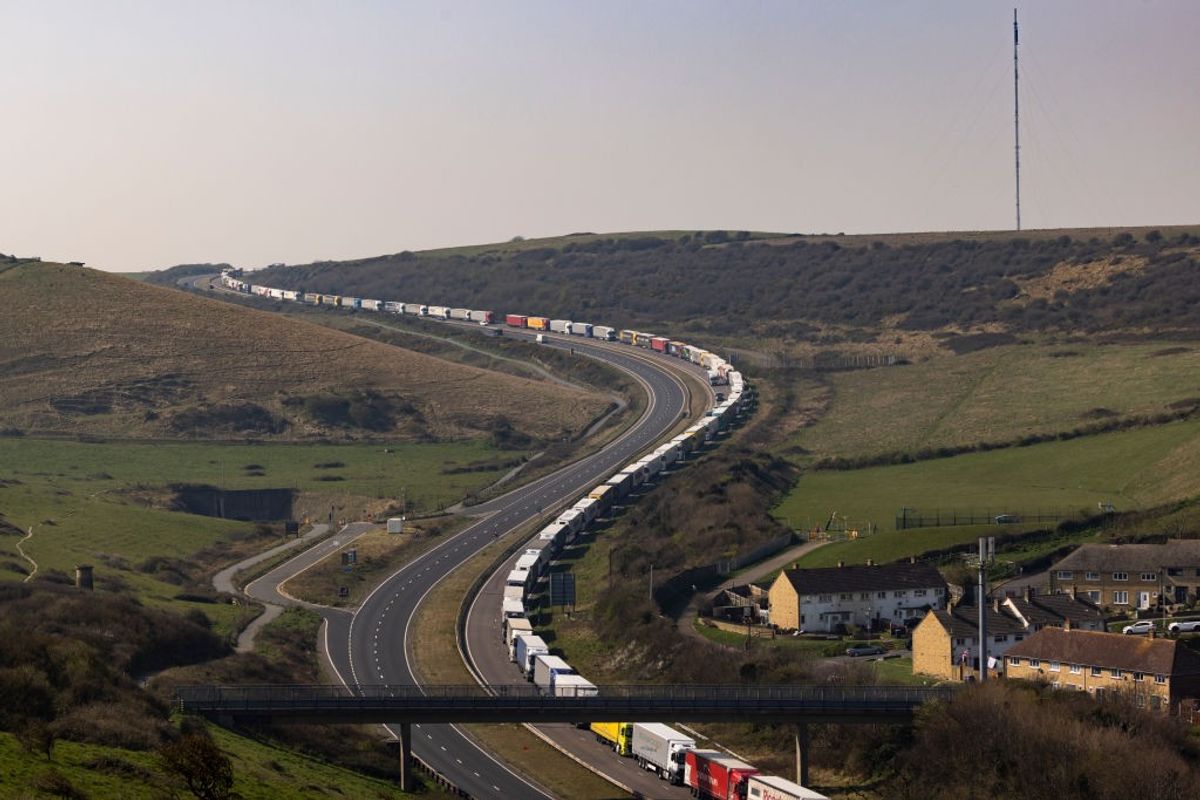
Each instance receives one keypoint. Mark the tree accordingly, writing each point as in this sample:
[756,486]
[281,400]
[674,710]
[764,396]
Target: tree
[196,759]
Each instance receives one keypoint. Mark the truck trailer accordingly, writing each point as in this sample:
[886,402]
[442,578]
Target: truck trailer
[545,668]
[528,646]
[515,320]
[604,333]
[537,323]
[560,325]
[714,775]
[574,686]
[661,749]
[581,328]
[617,735]
[517,626]
[770,787]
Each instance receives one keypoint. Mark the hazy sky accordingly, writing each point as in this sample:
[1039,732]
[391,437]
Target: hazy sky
[144,134]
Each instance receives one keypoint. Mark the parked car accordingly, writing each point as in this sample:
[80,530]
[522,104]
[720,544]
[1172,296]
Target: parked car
[864,650]
[1007,519]
[1185,626]
[1141,627]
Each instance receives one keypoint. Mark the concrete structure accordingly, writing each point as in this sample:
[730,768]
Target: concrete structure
[1155,673]
[870,596]
[83,577]
[1125,576]
[946,643]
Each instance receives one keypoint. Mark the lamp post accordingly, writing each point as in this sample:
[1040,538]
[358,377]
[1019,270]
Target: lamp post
[987,554]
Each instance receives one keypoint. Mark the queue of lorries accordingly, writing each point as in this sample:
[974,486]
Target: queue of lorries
[672,755]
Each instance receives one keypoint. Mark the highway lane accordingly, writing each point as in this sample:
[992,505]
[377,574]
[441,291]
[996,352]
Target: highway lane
[375,645]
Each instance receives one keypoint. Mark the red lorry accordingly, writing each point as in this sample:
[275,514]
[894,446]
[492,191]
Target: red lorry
[514,320]
[710,774]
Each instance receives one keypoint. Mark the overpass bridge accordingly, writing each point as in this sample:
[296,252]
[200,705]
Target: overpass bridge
[406,705]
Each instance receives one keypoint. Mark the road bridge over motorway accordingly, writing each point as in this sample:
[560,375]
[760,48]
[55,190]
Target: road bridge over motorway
[407,705]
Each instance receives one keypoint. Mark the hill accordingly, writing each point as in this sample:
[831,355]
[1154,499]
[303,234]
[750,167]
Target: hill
[827,290]
[92,352]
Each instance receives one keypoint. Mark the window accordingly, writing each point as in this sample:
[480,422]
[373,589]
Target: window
[1121,598]
[844,597]
[1116,673]
[1174,572]
[1020,637]
[1055,666]
[1013,661]
[1033,662]
[999,639]
[802,620]
[1094,597]
[960,642]
[1076,669]
[1120,576]
[864,595]
[1065,574]
[882,595]
[1096,672]
[1149,577]
[826,598]
[1093,576]
[899,593]
[918,592]
[1139,676]
[1160,678]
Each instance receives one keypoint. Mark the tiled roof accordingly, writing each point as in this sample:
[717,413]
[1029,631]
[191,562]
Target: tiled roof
[1132,557]
[962,622]
[1110,651]
[1052,609]
[861,578]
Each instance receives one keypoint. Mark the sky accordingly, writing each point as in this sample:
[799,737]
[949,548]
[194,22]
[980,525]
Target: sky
[138,135]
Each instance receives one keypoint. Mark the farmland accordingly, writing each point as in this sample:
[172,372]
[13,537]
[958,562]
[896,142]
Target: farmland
[1130,469]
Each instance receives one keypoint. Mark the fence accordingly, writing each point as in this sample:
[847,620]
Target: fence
[911,518]
[679,588]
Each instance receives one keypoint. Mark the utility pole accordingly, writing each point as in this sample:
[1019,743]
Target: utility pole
[1016,120]
[987,554]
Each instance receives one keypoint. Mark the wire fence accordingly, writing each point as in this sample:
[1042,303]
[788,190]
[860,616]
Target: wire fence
[908,518]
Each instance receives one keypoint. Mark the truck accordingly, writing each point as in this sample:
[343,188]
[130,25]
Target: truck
[460,313]
[581,328]
[659,343]
[546,668]
[530,562]
[770,787]
[440,312]
[395,525]
[512,628]
[661,749]
[626,336]
[617,735]
[604,333]
[537,323]
[416,309]
[528,646]
[520,578]
[623,483]
[603,495]
[560,325]
[480,316]
[710,774]
[574,686]
[371,305]
[515,593]
[512,608]
[515,320]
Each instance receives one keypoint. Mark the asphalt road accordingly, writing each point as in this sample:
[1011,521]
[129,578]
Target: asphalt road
[373,646]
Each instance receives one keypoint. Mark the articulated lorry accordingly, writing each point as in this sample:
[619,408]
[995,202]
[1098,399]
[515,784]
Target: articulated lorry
[617,735]
[661,749]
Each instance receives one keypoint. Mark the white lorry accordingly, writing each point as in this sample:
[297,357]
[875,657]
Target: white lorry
[661,749]
[546,668]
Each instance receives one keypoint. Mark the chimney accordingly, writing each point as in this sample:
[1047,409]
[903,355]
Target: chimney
[841,564]
[1027,593]
[870,562]
[996,604]
[83,577]
[912,559]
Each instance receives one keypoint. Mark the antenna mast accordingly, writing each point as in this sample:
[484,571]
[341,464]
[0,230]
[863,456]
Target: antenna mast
[1016,120]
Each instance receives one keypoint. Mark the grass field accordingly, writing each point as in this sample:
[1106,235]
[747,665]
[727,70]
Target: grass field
[89,503]
[1130,469]
[997,395]
[261,772]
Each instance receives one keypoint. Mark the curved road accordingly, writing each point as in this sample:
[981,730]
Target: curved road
[373,646]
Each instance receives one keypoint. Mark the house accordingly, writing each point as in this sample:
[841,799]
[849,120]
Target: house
[1155,673]
[946,643]
[870,596]
[1131,575]
[745,603]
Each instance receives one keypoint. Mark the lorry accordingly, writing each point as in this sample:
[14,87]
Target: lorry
[770,787]
[710,774]
[460,313]
[440,312]
[604,333]
[416,309]
[659,343]
[371,305]
[574,686]
[537,323]
[515,320]
[519,577]
[395,525]
[546,668]
[581,328]
[512,608]
[480,316]
[393,306]
[617,735]
[560,325]
[528,646]
[514,627]
[661,749]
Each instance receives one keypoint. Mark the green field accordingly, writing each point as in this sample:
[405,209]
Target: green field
[261,772]
[93,503]
[998,395]
[1131,469]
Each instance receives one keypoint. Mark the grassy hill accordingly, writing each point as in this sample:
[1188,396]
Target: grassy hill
[86,351]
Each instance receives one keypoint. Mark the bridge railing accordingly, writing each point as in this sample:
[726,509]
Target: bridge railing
[252,698]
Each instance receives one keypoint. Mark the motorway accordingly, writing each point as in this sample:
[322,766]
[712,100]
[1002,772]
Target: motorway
[374,645]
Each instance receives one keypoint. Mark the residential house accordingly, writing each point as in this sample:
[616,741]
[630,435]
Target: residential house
[1155,673]
[1131,575]
[946,643]
[869,596]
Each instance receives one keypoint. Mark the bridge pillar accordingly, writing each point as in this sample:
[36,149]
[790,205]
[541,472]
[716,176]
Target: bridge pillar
[406,764]
[803,745]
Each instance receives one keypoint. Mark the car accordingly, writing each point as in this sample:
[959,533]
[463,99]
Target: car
[1184,626]
[864,650]
[1007,519]
[1139,628]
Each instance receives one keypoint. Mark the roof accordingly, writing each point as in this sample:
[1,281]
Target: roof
[1052,609]
[962,622]
[863,578]
[1110,651]
[1132,557]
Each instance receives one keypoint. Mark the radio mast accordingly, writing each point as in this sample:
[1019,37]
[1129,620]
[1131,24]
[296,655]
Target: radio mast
[1016,120]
